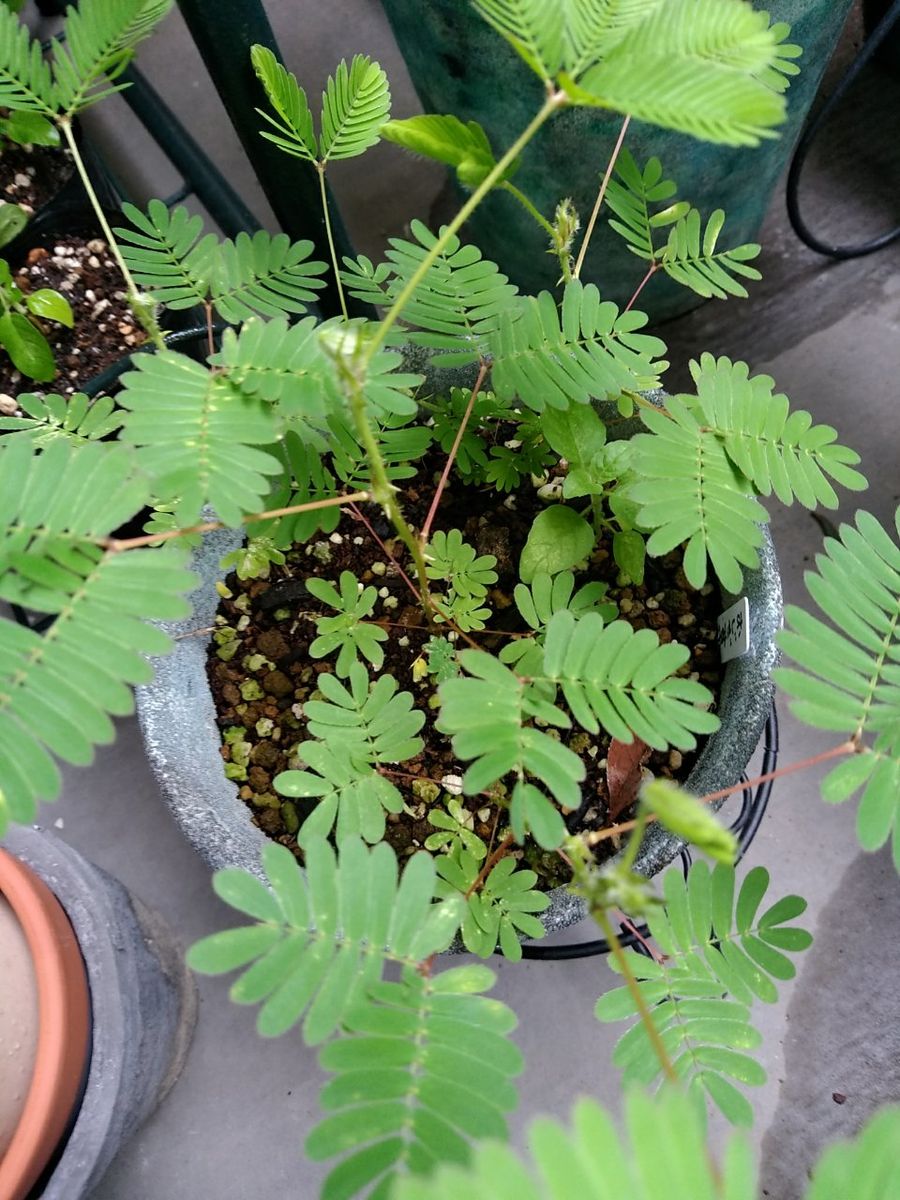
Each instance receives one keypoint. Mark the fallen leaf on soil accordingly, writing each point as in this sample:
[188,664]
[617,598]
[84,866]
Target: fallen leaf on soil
[623,773]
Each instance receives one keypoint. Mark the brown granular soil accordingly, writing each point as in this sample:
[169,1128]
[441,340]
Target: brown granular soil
[83,271]
[275,619]
[30,176]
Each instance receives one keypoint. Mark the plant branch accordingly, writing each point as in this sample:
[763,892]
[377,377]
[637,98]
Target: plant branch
[426,528]
[320,171]
[116,545]
[489,863]
[554,101]
[640,1003]
[850,747]
[653,268]
[600,195]
[142,310]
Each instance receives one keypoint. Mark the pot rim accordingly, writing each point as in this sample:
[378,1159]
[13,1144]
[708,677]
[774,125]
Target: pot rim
[63,1026]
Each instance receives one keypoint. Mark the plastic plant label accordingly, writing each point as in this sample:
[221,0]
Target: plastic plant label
[734,630]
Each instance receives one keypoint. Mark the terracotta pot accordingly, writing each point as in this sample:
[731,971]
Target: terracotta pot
[63,1036]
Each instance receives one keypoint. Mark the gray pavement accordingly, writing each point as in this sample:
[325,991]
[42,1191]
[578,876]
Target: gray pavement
[234,1125]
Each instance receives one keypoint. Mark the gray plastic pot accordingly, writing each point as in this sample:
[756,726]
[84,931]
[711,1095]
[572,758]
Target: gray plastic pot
[178,717]
[143,1008]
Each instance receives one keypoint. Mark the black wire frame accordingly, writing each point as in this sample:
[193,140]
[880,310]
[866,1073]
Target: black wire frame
[754,802]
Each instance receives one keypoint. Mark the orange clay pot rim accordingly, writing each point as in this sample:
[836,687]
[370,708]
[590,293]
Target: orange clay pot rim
[63,1020]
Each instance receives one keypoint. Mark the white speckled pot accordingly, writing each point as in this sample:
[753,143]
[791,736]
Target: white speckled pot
[179,722]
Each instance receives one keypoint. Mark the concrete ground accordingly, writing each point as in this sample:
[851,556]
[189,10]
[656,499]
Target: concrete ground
[234,1125]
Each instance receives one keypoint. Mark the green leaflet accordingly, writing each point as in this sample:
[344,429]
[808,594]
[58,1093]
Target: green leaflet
[592,1160]
[456,308]
[197,437]
[550,357]
[57,693]
[324,934]
[502,910]
[75,418]
[355,104]
[409,1088]
[848,679]
[179,266]
[713,944]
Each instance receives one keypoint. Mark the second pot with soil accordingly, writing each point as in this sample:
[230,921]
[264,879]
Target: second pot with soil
[100,1024]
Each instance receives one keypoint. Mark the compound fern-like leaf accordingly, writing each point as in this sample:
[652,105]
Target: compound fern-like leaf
[587,350]
[75,418]
[849,676]
[295,133]
[623,680]
[690,491]
[197,436]
[778,449]
[99,40]
[355,104]
[322,936]
[57,691]
[697,66]
[593,1161]
[456,307]
[26,84]
[717,956]
[424,1072]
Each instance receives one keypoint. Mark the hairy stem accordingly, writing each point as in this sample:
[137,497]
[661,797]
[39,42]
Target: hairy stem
[640,1003]
[554,101]
[383,491]
[850,747]
[320,171]
[600,195]
[530,208]
[454,449]
[115,545]
[141,309]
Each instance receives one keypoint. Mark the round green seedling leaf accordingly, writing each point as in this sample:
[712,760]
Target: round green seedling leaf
[45,302]
[13,220]
[27,347]
[30,129]
[559,539]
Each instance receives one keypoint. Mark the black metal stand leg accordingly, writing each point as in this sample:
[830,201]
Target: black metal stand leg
[223,33]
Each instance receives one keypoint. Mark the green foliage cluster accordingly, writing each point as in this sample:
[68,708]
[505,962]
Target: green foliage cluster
[293,412]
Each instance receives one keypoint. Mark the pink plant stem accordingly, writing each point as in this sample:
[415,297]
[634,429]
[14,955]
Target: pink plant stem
[426,528]
[849,747]
[654,267]
[600,196]
[651,950]
[361,516]
[115,545]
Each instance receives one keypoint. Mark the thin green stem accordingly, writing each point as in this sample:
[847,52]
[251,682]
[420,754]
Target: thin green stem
[634,842]
[383,491]
[320,171]
[529,207]
[553,102]
[141,309]
[640,1003]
